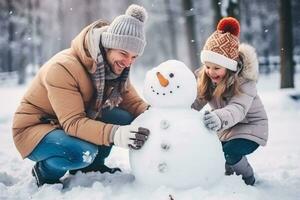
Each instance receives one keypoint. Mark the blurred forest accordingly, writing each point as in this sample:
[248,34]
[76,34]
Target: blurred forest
[34,30]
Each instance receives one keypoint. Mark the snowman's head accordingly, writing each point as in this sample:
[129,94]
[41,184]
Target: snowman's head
[171,84]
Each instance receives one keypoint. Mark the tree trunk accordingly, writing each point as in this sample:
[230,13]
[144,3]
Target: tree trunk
[247,16]
[88,16]
[286,45]
[172,29]
[216,5]
[11,32]
[233,9]
[191,33]
[62,24]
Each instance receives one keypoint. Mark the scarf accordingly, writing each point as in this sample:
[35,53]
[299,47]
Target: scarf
[102,74]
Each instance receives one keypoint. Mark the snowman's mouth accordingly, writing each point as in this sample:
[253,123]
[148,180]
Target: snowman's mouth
[164,93]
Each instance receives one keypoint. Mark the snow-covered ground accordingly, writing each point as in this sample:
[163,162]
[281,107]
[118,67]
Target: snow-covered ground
[277,166]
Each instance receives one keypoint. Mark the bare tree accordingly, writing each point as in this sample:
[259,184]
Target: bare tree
[216,5]
[11,33]
[286,45]
[172,28]
[62,24]
[248,21]
[190,25]
[225,9]
[233,9]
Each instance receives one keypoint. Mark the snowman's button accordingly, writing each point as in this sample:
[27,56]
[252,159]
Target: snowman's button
[165,147]
[162,167]
[164,124]
[226,123]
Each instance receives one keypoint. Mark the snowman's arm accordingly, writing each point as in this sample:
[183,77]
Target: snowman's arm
[238,106]
[132,102]
[199,104]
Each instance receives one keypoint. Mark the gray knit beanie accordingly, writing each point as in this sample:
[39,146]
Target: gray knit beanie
[127,31]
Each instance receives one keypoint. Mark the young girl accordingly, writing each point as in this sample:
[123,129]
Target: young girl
[227,81]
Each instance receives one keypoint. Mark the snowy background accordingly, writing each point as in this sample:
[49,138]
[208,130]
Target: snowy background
[277,166]
[33,30]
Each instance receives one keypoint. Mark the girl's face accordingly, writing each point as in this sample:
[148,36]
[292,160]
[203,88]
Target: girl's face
[215,72]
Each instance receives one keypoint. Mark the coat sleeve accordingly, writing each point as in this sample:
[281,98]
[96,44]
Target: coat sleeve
[199,104]
[67,103]
[238,106]
[132,102]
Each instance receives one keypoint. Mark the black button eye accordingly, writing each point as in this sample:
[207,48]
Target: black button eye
[171,75]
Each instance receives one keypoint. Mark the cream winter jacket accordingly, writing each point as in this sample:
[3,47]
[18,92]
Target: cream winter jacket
[243,115]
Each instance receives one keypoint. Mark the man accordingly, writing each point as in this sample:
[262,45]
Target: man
[81,102]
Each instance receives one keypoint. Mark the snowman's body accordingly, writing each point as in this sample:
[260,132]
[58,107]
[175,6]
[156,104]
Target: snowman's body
[180,151]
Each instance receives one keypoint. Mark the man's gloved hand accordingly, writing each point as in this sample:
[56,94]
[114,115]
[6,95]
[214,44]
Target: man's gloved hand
[130,136]
[212,121]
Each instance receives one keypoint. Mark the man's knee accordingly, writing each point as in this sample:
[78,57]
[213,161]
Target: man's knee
[125,118]
[117,116]
[82,155]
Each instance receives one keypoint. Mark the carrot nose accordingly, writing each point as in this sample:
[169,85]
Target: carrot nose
[162,80]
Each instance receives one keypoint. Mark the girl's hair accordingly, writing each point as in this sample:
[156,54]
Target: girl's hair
[229,85]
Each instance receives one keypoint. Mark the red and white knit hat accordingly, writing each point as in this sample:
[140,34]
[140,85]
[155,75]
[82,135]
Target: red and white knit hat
[222,47]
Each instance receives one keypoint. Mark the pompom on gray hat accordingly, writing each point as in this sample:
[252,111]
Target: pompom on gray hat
[127,31]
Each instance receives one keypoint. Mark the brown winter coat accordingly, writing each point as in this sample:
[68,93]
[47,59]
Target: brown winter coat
[62,90]
[243,115]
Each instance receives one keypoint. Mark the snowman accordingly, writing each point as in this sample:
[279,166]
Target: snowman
[180,152]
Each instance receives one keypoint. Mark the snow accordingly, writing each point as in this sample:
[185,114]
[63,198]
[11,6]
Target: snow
[277,166]
[181,155]
[87,158]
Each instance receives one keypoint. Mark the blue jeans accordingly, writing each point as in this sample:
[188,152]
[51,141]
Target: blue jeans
[59,152]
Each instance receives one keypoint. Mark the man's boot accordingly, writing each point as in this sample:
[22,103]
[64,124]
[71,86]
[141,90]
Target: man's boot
[92,168]
[40,180]
[244,168]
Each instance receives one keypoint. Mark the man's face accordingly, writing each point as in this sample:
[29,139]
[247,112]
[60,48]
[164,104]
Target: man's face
[119,60]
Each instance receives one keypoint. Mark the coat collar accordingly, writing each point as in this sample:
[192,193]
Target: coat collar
[80,45]
[250,62]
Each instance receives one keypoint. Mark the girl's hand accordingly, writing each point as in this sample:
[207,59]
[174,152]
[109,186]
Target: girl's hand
[212,121]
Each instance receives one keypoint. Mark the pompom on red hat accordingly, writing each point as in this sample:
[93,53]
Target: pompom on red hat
[222,47]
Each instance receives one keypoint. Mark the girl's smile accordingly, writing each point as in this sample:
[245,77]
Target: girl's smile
[215,72]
